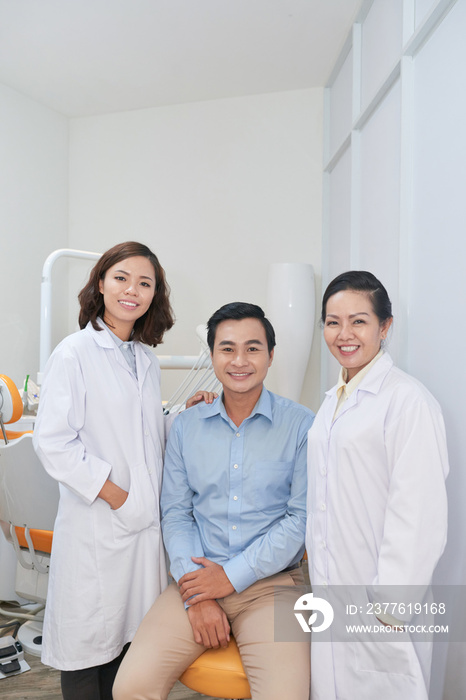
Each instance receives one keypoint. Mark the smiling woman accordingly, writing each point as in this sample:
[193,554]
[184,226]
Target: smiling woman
[109,273]
[377,511]
[354,327]
[100,432]
[128,289]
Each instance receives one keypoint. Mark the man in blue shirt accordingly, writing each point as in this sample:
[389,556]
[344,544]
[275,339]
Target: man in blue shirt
[233,519]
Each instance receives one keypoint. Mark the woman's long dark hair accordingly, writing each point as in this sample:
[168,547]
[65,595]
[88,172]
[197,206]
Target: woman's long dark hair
[159,318]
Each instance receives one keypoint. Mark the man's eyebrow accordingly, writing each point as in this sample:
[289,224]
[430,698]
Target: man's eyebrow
[248,342]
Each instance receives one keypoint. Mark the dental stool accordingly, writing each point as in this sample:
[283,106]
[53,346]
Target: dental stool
[219,673]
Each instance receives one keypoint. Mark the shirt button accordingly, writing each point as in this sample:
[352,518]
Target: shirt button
[238,434]
[234,527]
[235,498]
[125,347]
[235,466]
[323,506]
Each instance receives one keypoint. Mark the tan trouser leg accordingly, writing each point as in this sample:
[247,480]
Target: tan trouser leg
[276,670]
[162,649]
[164,646]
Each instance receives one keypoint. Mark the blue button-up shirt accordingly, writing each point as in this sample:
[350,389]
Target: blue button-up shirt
[237,495]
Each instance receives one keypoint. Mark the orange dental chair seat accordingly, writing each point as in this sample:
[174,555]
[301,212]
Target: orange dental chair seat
[219,673]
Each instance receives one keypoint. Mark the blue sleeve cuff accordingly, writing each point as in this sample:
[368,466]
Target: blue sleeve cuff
[239,573]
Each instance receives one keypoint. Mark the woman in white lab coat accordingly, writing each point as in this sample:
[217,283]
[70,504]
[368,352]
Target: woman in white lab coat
[377,511]
[100,433]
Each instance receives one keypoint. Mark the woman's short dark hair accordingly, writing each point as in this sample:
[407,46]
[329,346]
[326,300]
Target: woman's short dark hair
[158,318]
[236,311]
[360,281]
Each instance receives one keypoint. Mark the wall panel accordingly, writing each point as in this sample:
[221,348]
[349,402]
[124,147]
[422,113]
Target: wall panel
[406,206]
[381,44]
[380,198]
[340,104]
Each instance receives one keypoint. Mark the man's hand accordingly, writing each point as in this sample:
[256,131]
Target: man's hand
[208,583]
[207,396]
[210,624]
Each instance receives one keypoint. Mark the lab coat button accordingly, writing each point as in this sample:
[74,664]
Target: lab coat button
[324,471]
[324,544]
[323,506]
[146,433]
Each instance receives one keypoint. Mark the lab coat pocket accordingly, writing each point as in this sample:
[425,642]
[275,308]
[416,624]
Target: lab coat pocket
[385,656]
[272,482]
[139,511]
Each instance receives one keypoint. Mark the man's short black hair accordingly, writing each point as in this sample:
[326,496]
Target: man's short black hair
[236,311]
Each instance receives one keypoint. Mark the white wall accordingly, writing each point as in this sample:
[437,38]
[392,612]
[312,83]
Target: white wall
[34,221]
[398,172]
[218,189]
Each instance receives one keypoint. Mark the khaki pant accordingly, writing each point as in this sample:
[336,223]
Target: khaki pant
[164,646]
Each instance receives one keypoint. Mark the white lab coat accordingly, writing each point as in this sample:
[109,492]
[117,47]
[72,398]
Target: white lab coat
[377,515]
[97,421]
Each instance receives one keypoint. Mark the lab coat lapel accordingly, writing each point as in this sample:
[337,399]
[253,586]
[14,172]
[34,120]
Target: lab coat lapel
[142,362]
[371,383]
[105,340]
[329,406]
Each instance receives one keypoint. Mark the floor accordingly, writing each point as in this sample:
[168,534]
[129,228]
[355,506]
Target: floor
[43,683]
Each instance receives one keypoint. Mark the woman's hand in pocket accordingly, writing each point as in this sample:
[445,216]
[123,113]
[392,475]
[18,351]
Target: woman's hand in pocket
[113,495]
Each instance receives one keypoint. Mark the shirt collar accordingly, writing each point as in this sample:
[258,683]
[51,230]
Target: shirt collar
[118,341]
[347,388]
[263,407]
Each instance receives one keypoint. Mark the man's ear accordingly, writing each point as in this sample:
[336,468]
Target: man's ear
[271,356]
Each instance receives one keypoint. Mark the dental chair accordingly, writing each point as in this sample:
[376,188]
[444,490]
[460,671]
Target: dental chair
[218,673]
[11,408]
[28,507]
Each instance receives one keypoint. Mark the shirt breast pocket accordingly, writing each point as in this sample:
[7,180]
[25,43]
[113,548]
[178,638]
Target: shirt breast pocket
[272,485]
